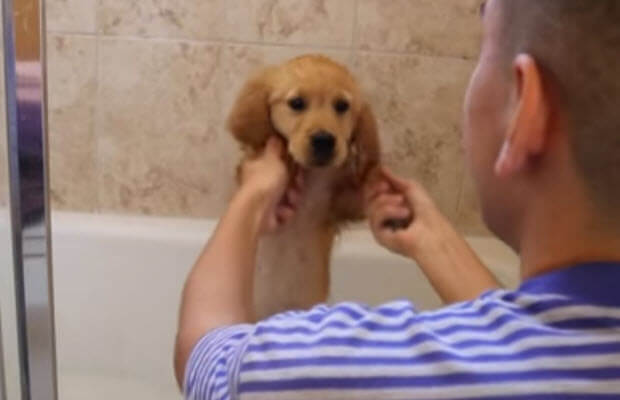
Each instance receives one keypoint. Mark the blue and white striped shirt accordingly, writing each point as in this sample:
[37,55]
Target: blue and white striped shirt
[557,337]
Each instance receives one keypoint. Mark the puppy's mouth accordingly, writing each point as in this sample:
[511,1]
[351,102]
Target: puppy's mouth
[319,161]
[320,152]
[310,162]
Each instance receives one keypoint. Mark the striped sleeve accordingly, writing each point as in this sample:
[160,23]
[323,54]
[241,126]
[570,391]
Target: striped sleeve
[212,369]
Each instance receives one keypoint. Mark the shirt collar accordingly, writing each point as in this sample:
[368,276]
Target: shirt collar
[596,283]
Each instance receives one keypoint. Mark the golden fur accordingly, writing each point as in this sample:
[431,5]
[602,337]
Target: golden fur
[293,264]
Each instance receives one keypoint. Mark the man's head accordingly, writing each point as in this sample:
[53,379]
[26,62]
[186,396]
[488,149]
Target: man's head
[543,107]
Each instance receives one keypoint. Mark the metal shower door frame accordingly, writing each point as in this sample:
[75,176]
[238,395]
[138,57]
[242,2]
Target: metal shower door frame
[24,58]
[2,375]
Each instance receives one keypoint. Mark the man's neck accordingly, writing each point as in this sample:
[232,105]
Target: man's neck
[562,234]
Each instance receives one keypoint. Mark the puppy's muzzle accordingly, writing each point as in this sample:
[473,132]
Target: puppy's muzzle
[323,146]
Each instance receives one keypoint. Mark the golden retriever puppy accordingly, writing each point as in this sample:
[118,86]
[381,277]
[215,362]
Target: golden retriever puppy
[316,106]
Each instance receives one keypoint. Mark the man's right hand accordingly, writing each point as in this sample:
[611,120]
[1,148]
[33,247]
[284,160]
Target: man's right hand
[404,219]
[402,215]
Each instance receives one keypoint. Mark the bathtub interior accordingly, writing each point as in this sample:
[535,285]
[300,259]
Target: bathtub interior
[117,285]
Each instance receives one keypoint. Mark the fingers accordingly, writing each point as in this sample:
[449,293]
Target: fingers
[285,214]
[293,197]
[272,224]
[385,200]
[416,195]
[294,192]
[388,227]
[371,192]
[400,184]
[287,209]
[384,217]
[299,180]
[386,183]
[391,212]
[376,186]
[387,208]
[397,224]
[274,147]
[272,152]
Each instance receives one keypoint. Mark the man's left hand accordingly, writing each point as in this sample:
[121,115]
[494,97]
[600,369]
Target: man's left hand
[266,180]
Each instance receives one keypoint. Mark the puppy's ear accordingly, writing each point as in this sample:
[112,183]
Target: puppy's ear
[348,200]
[250,119]
[365,146]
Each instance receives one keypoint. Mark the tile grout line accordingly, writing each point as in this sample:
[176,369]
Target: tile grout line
[224,42]
[354,39]
[96,115]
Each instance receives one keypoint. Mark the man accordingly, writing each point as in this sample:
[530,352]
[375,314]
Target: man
[542,139]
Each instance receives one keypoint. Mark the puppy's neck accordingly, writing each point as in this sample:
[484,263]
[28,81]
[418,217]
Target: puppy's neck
[317,196]
[293,264]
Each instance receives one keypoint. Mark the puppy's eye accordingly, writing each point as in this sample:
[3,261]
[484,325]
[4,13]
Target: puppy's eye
[297,103]
[341,106]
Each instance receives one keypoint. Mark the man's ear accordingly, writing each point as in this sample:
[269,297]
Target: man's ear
[250,118]
[529,127]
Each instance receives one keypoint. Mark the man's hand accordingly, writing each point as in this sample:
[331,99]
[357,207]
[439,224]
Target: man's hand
[266,179]
[402,215]
[404,219]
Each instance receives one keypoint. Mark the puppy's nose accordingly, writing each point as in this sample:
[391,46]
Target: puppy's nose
[323,145]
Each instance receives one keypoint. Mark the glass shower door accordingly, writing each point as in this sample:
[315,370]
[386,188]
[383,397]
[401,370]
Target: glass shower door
[9,369]
[6,259]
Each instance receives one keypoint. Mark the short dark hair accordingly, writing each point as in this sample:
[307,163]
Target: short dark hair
[577,45]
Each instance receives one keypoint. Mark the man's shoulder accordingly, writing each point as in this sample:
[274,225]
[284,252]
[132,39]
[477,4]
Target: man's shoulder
[502,341]
[399,320]
[351,313]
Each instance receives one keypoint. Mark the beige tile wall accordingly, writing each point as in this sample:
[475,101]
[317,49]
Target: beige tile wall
[139,90]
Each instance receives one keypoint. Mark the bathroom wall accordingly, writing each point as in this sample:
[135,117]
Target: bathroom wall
[139,91]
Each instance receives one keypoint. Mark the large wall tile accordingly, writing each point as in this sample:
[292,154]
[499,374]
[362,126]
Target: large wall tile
[430,27]
[77,16]
[238,62]
[71,91]
[161,145]
[418,102]
[304,22]
[190,19]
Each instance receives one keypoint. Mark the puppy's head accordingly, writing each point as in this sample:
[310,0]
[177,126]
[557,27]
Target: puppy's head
[316,105]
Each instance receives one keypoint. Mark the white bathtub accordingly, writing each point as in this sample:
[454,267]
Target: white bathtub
[117,286]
